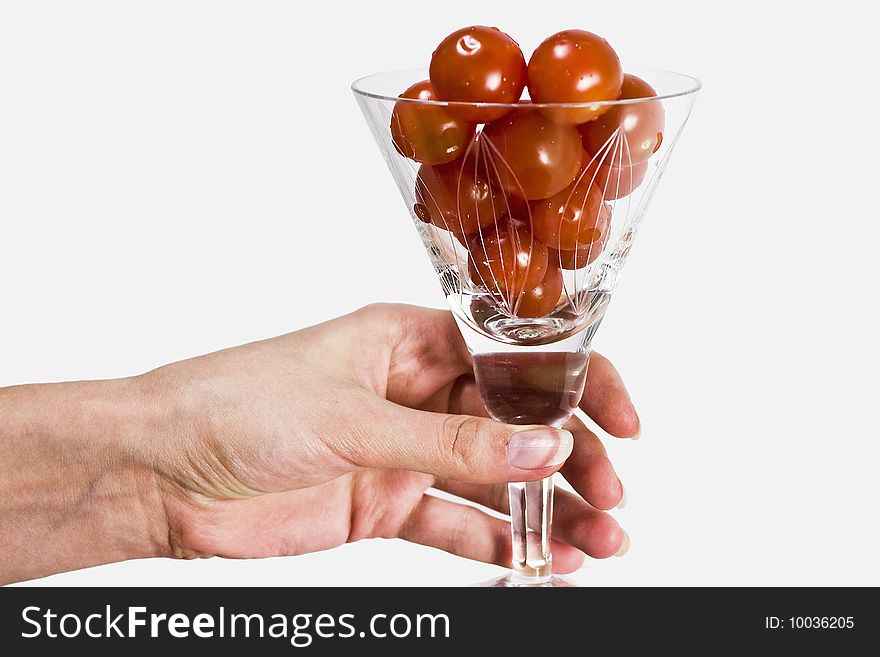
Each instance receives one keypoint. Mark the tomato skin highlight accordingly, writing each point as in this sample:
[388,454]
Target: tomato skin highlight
[478,64]
[534,157]
[429,134]
[579,258]
[615,181]
[459,196]
[574,66]
[506,260]
[631,133]
[541,299]
[573,218]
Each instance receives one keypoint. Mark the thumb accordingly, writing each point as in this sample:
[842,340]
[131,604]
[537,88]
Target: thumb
[461,447]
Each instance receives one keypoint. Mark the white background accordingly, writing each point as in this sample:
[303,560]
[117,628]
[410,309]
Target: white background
[177,177]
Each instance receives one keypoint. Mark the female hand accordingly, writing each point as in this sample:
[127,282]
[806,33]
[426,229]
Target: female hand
[334,434]
[303,442]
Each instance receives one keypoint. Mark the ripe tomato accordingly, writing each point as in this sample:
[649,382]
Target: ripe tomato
[573,218]
[580,257]
[518,208]
[640,123]
[541,299]
[459,196]
[534,157]
[615,181]
[574,66]
[506,260]
[428,133]
[478,65]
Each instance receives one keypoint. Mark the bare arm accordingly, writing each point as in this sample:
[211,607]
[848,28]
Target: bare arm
[300,443]
[73,490]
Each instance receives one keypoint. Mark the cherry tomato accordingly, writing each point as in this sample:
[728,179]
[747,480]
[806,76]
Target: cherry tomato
[506,260]
[428,133]
[574,66]
[533,156]
[580,257]
[573,218]
[518,208]
[478,65]
[459,196]
[614,181]
[641,124]
[540,300]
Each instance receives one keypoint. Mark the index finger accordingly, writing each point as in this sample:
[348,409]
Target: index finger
[606,400]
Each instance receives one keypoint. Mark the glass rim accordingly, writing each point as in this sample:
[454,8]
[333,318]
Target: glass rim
[689,85]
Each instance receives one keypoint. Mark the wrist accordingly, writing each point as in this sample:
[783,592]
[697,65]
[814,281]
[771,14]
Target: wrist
[127,489]
[76,486]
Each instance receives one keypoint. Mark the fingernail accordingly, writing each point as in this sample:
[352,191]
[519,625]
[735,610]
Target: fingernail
[638,433]
[624,545]
[539,448]
[623,498]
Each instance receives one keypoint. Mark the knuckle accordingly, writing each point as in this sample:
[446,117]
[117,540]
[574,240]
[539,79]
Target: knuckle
[467,440]
[461,434]
[373,310]
[388,319]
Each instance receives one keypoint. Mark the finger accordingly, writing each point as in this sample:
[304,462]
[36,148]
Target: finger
[592,531]
[607,401]
[464,398]
[575,522]
[463,447]
[491,496]
[426,346]
[470,533]
[589,470]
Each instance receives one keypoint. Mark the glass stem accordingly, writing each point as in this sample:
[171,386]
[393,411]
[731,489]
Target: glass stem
[531,518]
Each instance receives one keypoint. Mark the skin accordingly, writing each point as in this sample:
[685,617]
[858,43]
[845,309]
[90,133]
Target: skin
[303,442]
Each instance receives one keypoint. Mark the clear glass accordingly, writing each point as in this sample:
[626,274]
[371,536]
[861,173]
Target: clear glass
[528,222]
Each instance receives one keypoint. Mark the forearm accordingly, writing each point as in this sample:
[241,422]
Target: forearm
[76,488]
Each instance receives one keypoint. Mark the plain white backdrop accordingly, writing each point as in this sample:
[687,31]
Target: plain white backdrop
[176,177]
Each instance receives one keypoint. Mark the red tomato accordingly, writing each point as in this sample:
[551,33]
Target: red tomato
[534,157]
[573,218]
[574,66]
[614,181]
[478,65]
[458,196]
[540,300]
[428,133]
[580,257]
[518,208]
[506,260]
[640,123]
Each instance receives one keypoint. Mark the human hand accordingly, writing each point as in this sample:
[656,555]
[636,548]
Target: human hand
[334,434]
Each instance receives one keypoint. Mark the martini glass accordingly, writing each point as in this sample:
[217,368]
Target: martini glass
[528,239]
